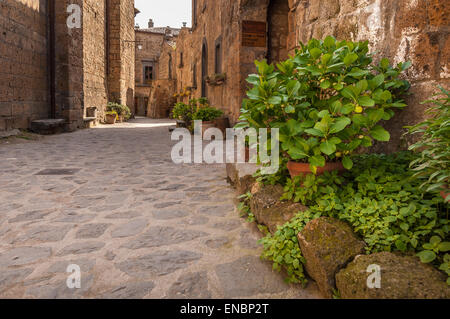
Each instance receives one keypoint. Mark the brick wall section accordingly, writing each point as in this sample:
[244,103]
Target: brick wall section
[94,56]
[23,63]
[398,29]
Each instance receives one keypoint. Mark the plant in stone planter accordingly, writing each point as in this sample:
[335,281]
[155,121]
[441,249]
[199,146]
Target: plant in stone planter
[123,111]
[111,117]
[327,100]
[183,112]
[433,164]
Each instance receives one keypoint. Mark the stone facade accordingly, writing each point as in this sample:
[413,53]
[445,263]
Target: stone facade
[398,29]
[53,71]
[23,63]
[147,69]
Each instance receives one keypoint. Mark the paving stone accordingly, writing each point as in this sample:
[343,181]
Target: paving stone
[124,215]
[158,263]
[159,236]
[251,270]
[163,214]
[228,225]
[86,265]
[45,233]
[167,204]
[81,248]
[131,228]
[220,211]
[190,286]
[23,256]
[76,218]
[29,216]
[12,277]
[217,242]
[135,290]
[59,290]
[91,231]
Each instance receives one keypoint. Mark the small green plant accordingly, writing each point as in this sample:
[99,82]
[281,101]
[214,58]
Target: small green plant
[327,100]
[382,202]
[120,109]
[207,114]
[433,163]
[182,112]
[244,208]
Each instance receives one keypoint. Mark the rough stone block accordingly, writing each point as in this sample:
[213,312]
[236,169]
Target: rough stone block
[269,210]
[48,126]
[328,245]
[241,176]
[402,277]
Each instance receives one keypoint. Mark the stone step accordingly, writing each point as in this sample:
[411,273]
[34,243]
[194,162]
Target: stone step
[48,126]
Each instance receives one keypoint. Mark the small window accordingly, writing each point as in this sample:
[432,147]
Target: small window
[194,75]
[148,73]
[170,67]
[181,60]
[218,56]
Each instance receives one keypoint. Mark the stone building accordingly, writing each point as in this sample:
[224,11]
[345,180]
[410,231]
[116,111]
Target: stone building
[151,42]
[52,69]
[227,36]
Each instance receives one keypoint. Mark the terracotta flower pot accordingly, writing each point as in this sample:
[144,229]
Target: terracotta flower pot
[295,169]
[110,119]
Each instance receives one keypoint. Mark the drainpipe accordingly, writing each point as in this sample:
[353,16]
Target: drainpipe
[51,65]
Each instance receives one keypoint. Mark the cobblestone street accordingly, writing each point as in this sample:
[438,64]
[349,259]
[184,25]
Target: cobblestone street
[110,200]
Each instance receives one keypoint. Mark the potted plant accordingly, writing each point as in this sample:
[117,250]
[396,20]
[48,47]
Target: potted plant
[111,117]
[327,101]
[123,111]
[207,115]
[183,114]
[433,163]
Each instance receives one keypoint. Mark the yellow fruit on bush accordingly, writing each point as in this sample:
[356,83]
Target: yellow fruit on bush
[338,154]
[358,109]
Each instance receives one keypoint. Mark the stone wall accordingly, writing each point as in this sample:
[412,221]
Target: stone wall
[164,87]
[398,29]
[121,52]
[94,56]
[416,30]
[23,63]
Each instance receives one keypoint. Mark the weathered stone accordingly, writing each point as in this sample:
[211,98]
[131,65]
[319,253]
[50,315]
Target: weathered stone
[13,277]
[328,245]
[269,210]
[124,215]
[46,233]
[48,126]
[23,256]
[159,236]
[158,263]
[86,265]
[256,274]
[241,176]
[217,242]
[81,248]
[227,225]
[190,286]
[220,211]
[164,214]
[131,228]
[91,231]
[59,289]
[29,216]
[166,204]
[402,277]
[135,290]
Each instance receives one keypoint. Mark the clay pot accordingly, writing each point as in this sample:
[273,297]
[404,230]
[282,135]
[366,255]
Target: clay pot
[207,125]
[110,119]
[222,123]
[295,169]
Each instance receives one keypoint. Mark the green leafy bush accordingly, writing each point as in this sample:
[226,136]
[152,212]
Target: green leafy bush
[183,112]
[207,114]
[327,100]
[433,148]
[382,202]
[120,109]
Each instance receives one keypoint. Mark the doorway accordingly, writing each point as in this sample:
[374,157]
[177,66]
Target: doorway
[278,30]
